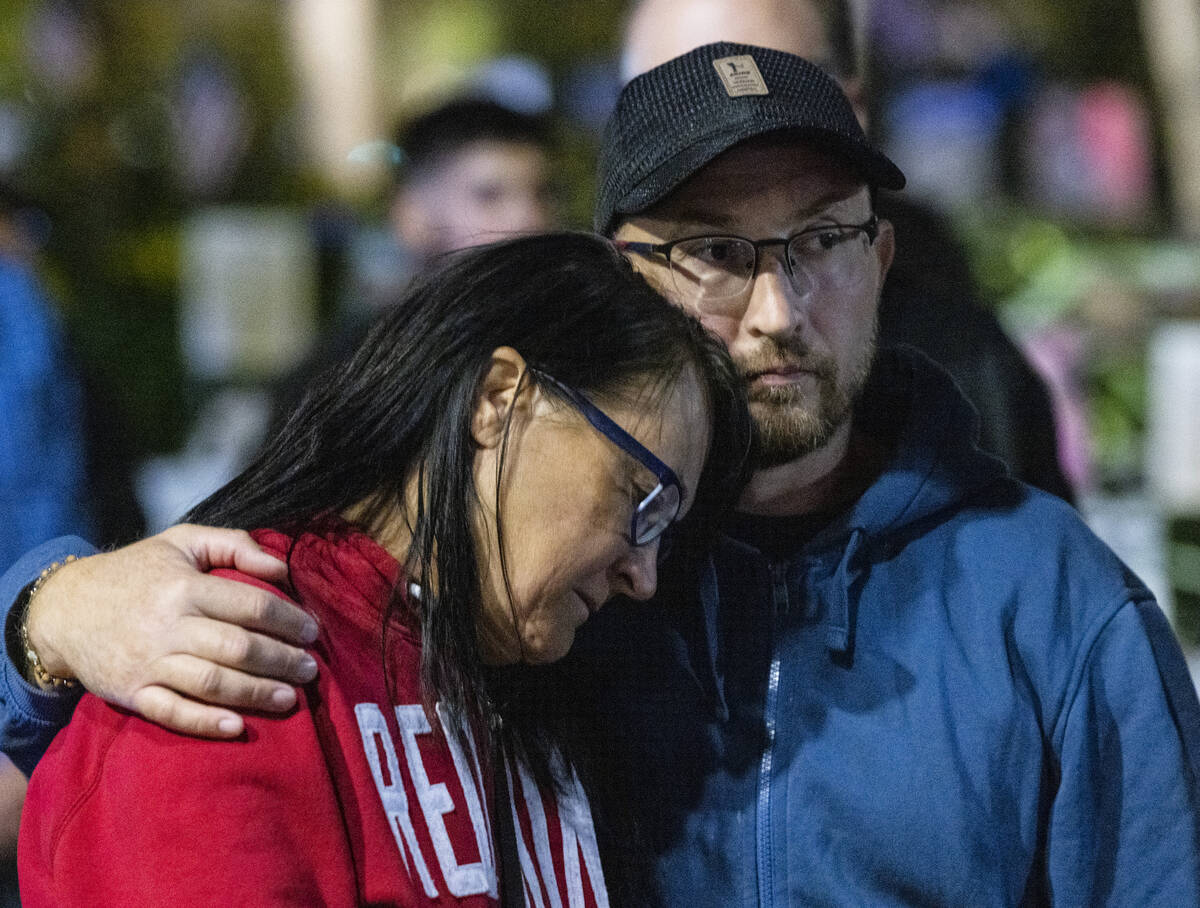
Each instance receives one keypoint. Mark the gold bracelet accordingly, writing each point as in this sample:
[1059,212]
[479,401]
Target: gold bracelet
[33,665]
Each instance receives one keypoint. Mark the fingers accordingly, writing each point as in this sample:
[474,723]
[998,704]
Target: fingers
[169,709]
[190,692]
[250,607]
[210,547]
[228,646]
[216,685]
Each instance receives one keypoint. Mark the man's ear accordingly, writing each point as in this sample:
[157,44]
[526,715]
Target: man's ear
[497,394]
[885,247]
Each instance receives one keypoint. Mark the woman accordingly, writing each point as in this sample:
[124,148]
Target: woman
[505,452]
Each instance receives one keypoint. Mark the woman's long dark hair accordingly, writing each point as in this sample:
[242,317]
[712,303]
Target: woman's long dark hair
[402,405]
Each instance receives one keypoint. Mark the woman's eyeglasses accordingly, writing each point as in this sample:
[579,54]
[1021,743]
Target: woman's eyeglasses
[658,508]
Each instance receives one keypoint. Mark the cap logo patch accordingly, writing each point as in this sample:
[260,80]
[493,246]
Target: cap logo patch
[741,76]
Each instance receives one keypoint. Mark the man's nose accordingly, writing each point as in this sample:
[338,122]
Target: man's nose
[778,303]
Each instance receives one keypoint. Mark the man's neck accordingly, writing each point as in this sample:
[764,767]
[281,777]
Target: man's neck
[828,479]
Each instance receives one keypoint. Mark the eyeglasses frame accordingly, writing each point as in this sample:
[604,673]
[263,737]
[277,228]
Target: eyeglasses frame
[607,427]
[870,227]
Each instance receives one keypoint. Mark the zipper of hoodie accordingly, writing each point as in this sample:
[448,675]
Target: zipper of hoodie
[766,879]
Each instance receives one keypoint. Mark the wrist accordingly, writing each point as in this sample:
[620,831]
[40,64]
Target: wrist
[42,665]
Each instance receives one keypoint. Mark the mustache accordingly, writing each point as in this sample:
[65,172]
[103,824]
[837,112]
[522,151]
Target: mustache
[774,355]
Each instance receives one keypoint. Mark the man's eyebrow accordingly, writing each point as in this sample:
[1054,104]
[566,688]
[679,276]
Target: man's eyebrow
[700,216]
[830,199]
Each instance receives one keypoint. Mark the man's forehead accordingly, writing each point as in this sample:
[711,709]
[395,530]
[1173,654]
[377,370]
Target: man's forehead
[788,173]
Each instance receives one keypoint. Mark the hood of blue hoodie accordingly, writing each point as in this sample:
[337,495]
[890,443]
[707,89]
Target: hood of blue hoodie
[935,464]
[935,467]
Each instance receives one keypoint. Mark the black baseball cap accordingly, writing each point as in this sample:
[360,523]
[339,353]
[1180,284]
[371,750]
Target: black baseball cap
[674,119]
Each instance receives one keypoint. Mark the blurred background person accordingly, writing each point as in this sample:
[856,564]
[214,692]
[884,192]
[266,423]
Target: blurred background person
[42,452]
[43,481]
[468,171]
[929,300]
[471,171]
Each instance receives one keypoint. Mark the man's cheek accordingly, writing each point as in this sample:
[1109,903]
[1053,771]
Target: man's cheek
[722,326]
[657,277]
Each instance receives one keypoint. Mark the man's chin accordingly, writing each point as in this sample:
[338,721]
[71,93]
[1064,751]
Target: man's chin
[784,437]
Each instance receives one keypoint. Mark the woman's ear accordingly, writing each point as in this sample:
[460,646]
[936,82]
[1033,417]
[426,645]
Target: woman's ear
[497,395]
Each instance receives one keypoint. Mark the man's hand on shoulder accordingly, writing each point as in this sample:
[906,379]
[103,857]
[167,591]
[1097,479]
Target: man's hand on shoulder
[145,628]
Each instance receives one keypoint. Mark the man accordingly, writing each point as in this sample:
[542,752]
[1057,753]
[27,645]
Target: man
[929,300]
[902,682]
[900,677]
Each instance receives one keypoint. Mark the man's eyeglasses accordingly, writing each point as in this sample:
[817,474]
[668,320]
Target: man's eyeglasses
[658,509]
[714,272]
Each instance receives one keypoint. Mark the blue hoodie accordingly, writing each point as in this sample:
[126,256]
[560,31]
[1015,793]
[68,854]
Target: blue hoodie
[951,694]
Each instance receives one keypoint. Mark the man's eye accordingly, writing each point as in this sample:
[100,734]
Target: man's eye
[817,241]
[717,252]
[727,255]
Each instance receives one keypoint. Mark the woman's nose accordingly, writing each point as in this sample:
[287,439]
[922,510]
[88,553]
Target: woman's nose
[636,571]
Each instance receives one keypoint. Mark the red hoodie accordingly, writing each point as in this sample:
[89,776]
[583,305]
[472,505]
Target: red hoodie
[354,798]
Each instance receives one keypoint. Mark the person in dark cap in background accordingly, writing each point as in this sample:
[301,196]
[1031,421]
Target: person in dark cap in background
[898,676]
[470,171]
[929,299]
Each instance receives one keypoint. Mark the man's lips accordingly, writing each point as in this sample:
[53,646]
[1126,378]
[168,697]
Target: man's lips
[780,375]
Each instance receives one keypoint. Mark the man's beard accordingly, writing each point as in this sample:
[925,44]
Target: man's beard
[790,423]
